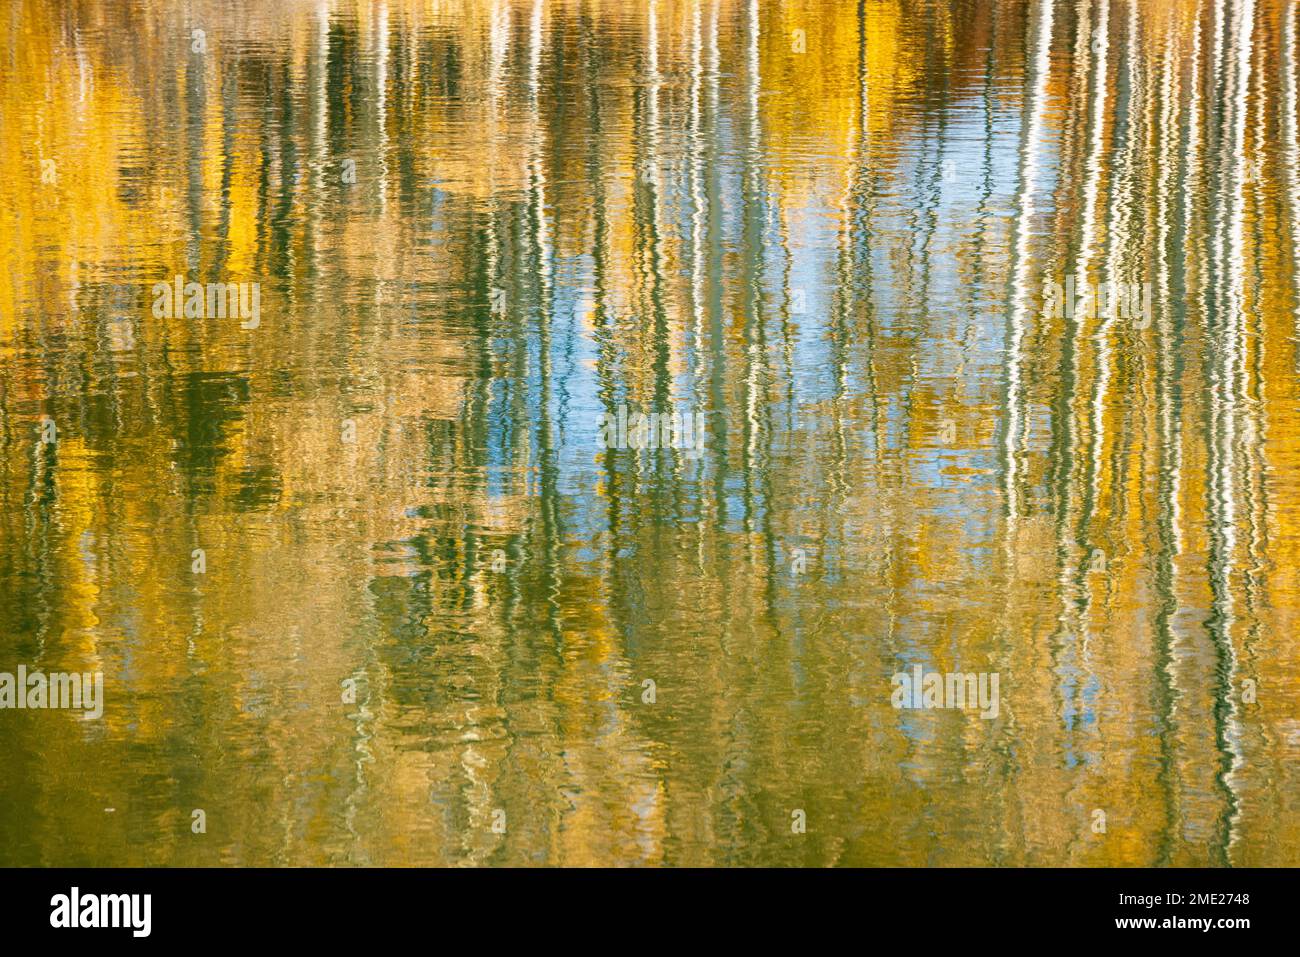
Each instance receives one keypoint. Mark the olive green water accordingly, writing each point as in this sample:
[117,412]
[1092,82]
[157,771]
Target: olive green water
[362,582]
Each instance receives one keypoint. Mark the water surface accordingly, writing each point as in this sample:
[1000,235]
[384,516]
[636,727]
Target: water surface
[364,585]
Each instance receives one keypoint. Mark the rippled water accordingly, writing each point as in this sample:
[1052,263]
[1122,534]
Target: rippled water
[364,585]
